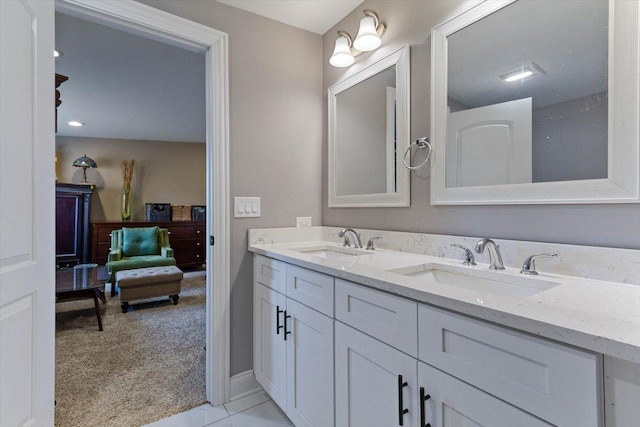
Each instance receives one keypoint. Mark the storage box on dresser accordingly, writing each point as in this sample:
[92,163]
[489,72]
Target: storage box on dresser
[187,238]
[293,340]
[400,362]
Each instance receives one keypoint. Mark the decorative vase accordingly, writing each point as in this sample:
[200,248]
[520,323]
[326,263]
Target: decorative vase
[125,208]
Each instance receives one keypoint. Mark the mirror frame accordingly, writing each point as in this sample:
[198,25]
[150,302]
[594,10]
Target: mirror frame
[622,184]
[399,58]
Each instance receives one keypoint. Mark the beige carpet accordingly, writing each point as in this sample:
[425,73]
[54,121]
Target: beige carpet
[146,365]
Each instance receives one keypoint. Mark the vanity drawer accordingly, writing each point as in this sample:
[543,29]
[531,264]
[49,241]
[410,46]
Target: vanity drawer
[557,383]
[312,289]
[270,272]
[389,318]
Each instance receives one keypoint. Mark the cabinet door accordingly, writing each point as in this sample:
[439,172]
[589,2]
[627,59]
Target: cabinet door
[452,402]
[309,367]
[368,392]
[269,350]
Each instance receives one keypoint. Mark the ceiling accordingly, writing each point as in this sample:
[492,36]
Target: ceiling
[124,86]
[317,16]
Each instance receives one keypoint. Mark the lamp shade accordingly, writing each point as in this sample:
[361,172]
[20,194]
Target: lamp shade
[84,162]
[342,56]
[367,38]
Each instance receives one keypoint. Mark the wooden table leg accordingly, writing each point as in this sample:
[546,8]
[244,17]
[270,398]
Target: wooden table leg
[102,296]
[97,304]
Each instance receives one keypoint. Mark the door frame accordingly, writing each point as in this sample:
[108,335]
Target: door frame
[150,22]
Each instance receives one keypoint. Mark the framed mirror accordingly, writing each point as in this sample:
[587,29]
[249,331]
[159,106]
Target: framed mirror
[368,134]
[536,102]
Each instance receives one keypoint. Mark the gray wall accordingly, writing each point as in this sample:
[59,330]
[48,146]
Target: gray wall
[569,140]
[409,22]
[275,135]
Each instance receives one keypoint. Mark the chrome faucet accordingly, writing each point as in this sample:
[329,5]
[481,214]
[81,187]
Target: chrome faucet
[468,255]
[529,264]
[356,237]
[370,246]
[495,259]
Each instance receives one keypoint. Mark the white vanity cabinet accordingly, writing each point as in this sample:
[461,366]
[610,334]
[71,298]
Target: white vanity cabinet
[554,382]
[385,352]
[447,401]
[375,358]
[293,343]
[370,382]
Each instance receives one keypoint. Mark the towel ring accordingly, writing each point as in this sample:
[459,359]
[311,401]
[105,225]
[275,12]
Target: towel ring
[420,143]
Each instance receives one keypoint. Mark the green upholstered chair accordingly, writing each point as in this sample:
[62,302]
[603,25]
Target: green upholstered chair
[137,248]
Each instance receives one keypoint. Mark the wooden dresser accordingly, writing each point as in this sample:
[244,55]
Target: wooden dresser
[187,239]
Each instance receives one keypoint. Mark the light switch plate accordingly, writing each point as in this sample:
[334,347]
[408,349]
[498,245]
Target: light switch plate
[246,207]
[303,221]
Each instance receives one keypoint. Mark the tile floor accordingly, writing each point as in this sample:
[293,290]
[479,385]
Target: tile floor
[256,410]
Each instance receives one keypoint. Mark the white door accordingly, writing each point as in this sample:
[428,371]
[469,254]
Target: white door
[309,367]
[452,402]
[27,213]
[269,346]
[489,145]
[368,393]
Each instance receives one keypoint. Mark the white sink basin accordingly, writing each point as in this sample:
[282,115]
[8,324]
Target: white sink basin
[479,279]
[330,252]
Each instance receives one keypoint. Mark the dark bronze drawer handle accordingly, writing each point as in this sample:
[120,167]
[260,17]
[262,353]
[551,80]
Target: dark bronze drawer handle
[423,398]
[401,409]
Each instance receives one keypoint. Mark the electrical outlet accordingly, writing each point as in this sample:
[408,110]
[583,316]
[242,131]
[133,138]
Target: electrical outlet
[303,221]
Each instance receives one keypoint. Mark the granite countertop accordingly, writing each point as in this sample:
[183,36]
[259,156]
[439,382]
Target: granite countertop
[600,316]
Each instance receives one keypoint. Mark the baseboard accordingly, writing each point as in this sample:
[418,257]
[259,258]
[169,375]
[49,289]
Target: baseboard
[242,385]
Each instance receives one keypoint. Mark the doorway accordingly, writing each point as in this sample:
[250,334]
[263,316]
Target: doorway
[152,23]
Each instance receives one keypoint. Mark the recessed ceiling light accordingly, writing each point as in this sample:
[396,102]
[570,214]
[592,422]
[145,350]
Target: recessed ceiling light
[75,123]
[522,73]
[57,53]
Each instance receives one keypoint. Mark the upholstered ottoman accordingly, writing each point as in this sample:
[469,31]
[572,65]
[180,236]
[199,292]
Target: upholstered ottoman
[148,282]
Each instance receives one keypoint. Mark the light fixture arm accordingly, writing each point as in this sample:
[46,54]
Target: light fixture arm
[347,35]
[380,28]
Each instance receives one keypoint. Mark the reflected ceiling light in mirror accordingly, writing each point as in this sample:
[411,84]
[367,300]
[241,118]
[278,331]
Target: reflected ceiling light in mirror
[369,33]
[57,53]
[75,123]
[522,73]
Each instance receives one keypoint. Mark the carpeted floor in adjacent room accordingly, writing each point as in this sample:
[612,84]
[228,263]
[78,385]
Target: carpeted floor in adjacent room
[146,365]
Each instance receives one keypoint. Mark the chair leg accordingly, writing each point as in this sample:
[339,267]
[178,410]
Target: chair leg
[175,299]
[124,306]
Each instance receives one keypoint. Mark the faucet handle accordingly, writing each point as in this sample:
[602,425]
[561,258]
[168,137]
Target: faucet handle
[370,243]
[529,264]
[346,242]
[469,259]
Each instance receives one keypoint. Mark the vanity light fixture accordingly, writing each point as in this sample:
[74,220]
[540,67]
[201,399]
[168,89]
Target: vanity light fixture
[522,73]
[343,56]
[369,33]
[57,53]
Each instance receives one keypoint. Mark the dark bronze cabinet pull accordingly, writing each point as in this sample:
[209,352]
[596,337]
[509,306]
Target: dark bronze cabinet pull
[423,398]
[401,409]
[278,325]
[285,325]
